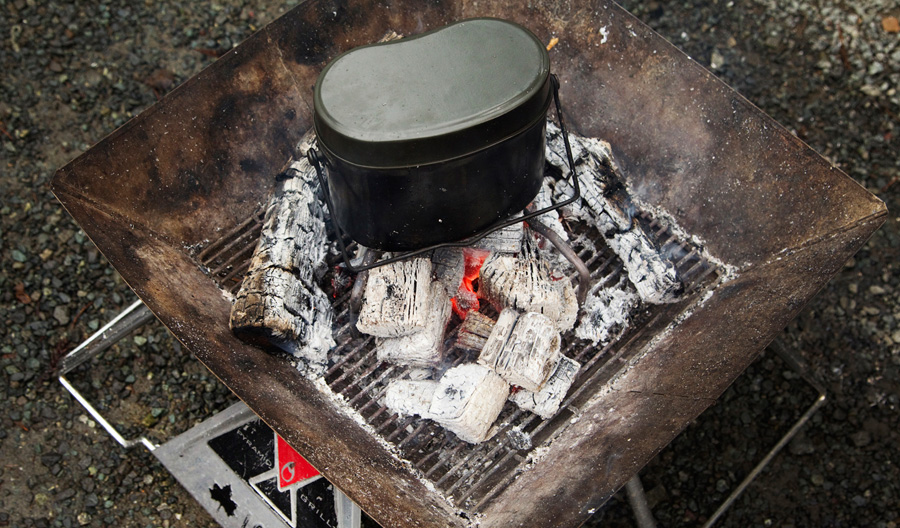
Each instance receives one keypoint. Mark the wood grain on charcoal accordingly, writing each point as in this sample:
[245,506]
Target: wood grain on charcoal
[279,302]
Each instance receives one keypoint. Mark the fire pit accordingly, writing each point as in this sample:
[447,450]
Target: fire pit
[173,199]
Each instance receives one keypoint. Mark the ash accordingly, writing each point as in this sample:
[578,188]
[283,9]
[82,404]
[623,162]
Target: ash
[607,312]
[522,305]
[511,345]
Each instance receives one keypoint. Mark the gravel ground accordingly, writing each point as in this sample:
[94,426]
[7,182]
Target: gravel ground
[828,70]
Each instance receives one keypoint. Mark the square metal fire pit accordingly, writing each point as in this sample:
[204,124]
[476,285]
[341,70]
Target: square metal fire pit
[159,196]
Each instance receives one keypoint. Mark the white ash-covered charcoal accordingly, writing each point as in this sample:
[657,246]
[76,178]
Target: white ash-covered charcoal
[410,397]
[605,204]
[522,348]
[474,331]
[524,282]
[397,299]
[423,348]
[606,311]
[507,240]
[546,401]
[448,266]
[279,302]
[467,401]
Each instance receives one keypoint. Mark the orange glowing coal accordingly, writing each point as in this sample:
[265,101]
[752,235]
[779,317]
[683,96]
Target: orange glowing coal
[466,298]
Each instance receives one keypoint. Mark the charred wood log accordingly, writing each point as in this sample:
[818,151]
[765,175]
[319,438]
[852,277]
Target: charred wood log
[449,265]
[474,331]
[467,400]
[279,303]
[607,205]
[410,397]
[524,282]
[507,240]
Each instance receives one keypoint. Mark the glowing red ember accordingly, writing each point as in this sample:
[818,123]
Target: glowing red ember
[466,299]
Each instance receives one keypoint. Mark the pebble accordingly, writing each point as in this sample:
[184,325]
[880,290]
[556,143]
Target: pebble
[61,314]
[861,438]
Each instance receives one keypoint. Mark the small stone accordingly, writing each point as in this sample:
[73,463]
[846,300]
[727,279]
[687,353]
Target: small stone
[853,288]
[876,290]
[890,24]
[717,60]
[140,340]
[801,445]
[50,459]
[861,438]
[817,479]
[721,485]
[84,518]
[61,314]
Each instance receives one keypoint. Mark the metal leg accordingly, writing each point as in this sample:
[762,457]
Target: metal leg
[123,324]
[800,367]
[638,501]
[635,489]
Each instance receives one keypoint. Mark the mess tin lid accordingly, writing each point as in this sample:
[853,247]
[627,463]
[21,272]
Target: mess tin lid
[434,97]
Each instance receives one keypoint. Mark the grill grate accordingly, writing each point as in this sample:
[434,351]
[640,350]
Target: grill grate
[467,475]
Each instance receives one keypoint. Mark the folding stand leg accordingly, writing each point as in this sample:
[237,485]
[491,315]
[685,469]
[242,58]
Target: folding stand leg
[189,456]
[635,490]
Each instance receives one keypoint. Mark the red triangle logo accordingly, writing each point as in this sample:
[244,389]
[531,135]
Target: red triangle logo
[292,468]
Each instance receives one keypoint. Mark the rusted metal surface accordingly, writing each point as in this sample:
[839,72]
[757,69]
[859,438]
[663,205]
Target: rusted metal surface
[200,162]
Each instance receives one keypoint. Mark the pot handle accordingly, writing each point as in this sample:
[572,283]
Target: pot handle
[315,159]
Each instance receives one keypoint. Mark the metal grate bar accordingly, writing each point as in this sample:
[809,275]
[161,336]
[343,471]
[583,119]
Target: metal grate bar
[341,362]
[365,390]
[511,453]
[255,218]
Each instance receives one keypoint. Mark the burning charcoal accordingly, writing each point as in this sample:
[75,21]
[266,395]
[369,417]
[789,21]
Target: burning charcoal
[524,283]
[606,204]
[448,265]
[467,400]
[425,347]
[546,402]
[606,310]
[466,299]
[523,349]
[279,303]
[410,397]
[397,299]
[474,332]
[507,240]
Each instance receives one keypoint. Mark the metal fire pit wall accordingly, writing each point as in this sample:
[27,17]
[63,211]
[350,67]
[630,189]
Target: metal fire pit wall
[199,163]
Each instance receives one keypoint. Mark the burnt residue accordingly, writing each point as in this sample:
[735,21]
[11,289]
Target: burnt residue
[251,165]
[309,39]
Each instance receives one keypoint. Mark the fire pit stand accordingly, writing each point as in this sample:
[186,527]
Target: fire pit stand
[200,164]
[226,462]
